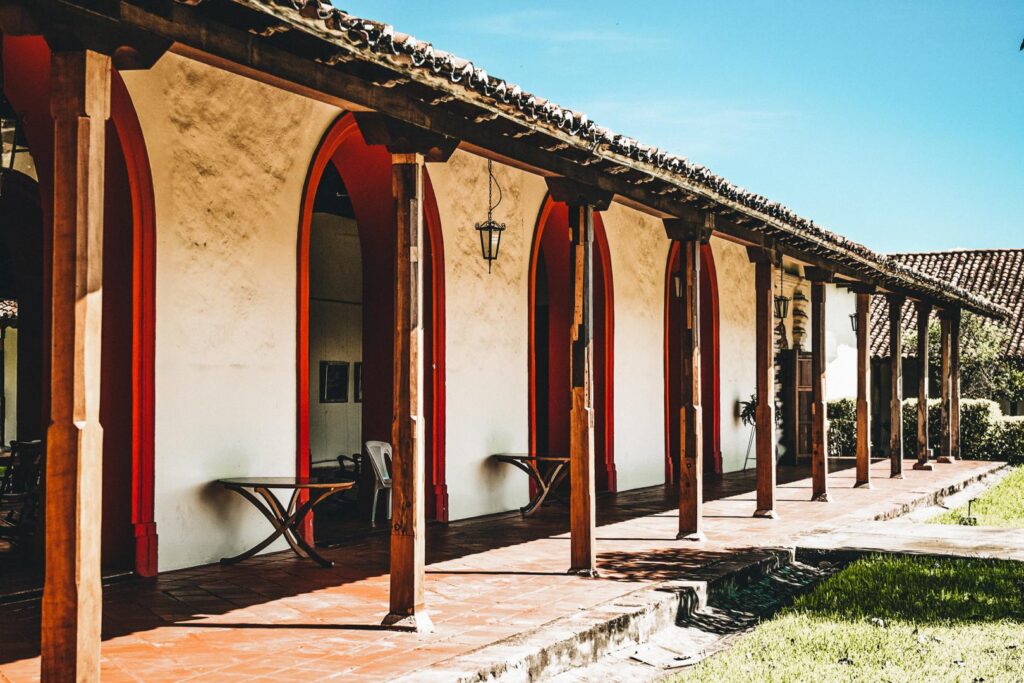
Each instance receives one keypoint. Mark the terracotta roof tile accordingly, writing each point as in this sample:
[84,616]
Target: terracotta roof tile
[995,274]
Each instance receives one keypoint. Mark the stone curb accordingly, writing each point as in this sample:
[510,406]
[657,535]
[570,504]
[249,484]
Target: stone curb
[584,638]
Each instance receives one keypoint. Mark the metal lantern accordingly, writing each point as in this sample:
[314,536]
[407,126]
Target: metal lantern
[490,230]
[781,301]
[853,322]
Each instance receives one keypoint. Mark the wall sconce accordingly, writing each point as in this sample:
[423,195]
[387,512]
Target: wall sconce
[490,230]
[853,322]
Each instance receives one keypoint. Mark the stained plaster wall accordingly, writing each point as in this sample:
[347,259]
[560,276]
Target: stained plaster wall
[639,255]
[487,387]
[737,361]
[229,159]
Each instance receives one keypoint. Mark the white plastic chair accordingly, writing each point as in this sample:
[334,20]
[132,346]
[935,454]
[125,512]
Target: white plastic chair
[378,453]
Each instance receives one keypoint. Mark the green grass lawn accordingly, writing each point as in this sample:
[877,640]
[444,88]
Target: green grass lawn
[889,619]
[1002,505]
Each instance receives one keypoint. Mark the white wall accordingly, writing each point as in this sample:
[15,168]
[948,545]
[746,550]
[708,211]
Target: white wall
[737,354]
[335,332]
[487,397]
[229,158]
[639,254]
[840,344]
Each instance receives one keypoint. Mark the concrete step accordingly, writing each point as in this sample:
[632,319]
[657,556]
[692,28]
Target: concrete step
[629,621]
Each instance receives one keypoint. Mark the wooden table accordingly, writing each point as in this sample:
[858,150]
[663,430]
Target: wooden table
[545,481]
[288,521]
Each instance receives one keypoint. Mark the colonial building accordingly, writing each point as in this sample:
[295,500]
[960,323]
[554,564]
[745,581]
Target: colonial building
[253,236]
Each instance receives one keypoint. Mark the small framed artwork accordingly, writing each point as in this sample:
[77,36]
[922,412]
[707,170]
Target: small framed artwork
[333,381]
[357,383]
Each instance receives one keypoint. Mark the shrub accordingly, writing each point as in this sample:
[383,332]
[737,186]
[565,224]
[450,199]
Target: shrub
[977,418]
[1005,441]
[842,428]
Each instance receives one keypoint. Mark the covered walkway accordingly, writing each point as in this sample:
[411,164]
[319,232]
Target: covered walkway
[487,579]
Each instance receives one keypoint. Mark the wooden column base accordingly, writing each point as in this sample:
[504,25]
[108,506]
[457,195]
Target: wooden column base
[586,572]
[924,466]
[766,514]
[945,459]
[695,536]
[821,498]
[863,485]
[412,623]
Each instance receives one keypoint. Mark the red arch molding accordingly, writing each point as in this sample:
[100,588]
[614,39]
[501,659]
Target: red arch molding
[30,81]
[342,130]
[710,373]
[604,254]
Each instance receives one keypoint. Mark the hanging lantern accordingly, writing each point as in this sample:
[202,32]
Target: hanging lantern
[781,300]
[853,322]
[490,230]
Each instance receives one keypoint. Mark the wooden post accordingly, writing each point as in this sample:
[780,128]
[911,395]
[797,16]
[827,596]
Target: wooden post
[819,418]
[408,517]
[954,385]
[895,386]
[863,391]
[691,233]
[945,383]
[582,202]
[72,596]
[924,311]
[410,148]
[764,416]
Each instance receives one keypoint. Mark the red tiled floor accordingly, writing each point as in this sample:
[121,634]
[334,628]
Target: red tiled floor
[284,618]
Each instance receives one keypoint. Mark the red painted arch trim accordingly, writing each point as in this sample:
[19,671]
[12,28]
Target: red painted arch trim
[341,129]
[603,253]
[140,181]
[714,399]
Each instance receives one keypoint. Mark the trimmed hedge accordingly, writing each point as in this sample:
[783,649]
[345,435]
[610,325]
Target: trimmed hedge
[985,433]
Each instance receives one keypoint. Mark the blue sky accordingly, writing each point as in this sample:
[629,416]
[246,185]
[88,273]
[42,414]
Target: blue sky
[900,125]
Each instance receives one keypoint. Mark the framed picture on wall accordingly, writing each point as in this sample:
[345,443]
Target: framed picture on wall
[357,384]
[333,381]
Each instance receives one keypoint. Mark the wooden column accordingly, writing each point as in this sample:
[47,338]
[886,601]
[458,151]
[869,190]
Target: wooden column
[924,311]
[582,202]
[863,390]
[895,386]
[954,385]
[819,417]
[945,383]
[764,417]
[410,148]
[72,597]
[408,516]
[691,232]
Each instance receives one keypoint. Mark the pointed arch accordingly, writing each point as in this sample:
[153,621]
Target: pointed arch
[710,371]
[549,260]
[366,172]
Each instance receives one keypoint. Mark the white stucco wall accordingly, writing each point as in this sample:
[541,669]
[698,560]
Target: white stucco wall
[639,254]
[229,158]
[840,344]
[487,385]
[737,369]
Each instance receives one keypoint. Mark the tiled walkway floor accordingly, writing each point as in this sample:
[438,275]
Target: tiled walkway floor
[487,579]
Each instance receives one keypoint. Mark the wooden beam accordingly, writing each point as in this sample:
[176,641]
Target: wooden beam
[924,311]
[765,385]
[400,137]
[72,596]
[696,225]
[408,522]
[895,386]
[574,193]
[691,423]
[819,417]
[945,383]
[863,391]
[582,522]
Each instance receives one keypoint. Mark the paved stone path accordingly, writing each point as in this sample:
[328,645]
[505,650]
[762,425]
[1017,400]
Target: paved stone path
[487,580]
[915,538]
